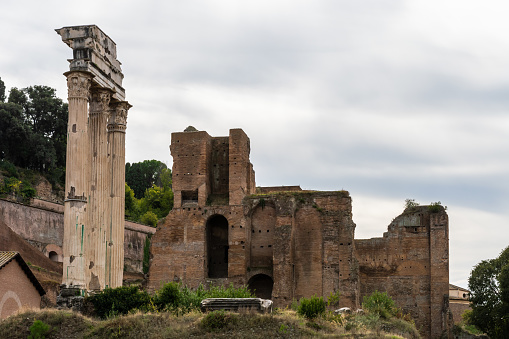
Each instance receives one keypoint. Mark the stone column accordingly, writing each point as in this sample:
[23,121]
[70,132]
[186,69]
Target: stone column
[76,179]
[116,162]
[99,189]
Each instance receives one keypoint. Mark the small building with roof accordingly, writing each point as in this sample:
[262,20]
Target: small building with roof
[19,288]
[458,301]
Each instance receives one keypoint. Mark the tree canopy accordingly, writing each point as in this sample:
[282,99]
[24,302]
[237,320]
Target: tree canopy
[489,299]
[33,130]
[140,176]
[154,199]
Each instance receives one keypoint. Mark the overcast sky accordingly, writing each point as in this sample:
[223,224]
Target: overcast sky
[386,99]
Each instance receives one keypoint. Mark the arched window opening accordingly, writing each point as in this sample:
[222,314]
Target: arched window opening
[53,256]
[261,285]
[217,246]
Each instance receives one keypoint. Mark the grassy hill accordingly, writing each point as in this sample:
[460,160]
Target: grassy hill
[280,324]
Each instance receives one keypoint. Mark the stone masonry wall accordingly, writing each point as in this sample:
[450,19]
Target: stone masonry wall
[402,264]
[42,225]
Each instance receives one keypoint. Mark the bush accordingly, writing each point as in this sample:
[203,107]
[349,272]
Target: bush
[149,218]
[436,207]
[217,320]
[312,307]
[8,168]
[180,299]
[38,330]
[380,303]
[121,300]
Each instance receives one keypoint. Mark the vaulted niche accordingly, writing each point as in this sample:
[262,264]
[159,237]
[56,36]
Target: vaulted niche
[217,246]
[261,285]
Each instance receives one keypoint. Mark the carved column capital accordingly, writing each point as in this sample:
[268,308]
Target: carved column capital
[117,120]
[78,84]
[100,101]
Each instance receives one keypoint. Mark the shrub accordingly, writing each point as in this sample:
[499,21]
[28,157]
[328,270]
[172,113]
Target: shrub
[149,218]
[379,303]
[9,168]
[217,320]
[312,307]
[410,203]
[38,330]
[121,300]
[436,207]
[181,299]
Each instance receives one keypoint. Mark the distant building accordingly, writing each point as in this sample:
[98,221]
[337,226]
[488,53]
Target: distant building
[19,288]
[458,301]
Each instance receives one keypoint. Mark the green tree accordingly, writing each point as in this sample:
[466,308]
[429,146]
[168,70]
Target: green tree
[33,130]
[489,298]
[140,176]
[15,135]
[2,91]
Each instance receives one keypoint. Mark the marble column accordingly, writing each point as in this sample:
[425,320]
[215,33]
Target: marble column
[99,189]
[76,179]
[116,161]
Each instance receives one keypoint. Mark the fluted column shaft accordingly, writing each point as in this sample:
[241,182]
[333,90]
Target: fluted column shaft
[96,235]
[76,180]
[116,206]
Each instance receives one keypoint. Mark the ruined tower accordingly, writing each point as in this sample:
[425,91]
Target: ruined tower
[95,165]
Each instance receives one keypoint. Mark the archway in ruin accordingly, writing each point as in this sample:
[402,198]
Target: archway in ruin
[53,256]
[262,285]
[217,246]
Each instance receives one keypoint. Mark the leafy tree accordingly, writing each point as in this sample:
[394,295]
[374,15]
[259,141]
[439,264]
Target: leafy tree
[489,298]
[14,135]
[140,176]
[33,130]
[2,91]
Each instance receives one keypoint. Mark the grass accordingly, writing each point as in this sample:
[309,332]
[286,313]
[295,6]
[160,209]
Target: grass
[281,324]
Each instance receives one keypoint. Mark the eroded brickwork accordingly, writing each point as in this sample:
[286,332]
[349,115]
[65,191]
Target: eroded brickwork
[289,243]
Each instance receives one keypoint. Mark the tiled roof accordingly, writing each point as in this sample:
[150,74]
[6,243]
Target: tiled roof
[7,256]
[454,287]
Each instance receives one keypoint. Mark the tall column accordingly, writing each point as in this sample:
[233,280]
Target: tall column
[76,179]
[116,162]
[99,189]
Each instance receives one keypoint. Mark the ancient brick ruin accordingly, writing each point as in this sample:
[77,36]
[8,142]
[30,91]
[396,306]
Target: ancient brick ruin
[287,243]
[93,249]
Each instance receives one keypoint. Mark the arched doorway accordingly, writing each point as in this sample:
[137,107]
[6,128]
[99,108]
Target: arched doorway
[262,285]
[217,246]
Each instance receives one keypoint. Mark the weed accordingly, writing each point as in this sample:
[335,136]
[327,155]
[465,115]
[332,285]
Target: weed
[217,320]
[312,307]
[380,303]
[38,330]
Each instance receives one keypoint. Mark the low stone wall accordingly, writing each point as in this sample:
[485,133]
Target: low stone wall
[42,225]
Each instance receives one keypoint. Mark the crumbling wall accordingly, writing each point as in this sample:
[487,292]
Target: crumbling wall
[410,263]
[191,174]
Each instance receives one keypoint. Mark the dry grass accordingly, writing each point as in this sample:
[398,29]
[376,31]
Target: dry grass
[281,324]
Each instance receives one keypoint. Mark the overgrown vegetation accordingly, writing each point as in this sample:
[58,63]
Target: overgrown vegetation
[148,193]
[381,304]
[172,297]
[38,330]
[312,307]
[489,296]
[33,131]
[280,324]
[16,183]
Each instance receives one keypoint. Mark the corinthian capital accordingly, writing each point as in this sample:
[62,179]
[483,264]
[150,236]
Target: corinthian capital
[78,85]
[100,101]
[118,116]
